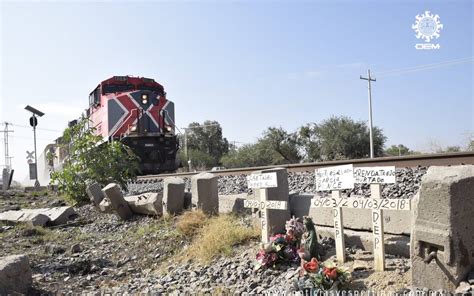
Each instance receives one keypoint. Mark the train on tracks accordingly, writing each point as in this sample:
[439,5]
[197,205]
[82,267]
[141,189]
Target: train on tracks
[135,111]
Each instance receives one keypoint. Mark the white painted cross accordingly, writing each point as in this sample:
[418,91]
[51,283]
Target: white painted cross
[376,176]
[262,182]
[373,176]
[336,178]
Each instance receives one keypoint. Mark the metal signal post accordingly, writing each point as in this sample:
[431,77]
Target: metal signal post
[369,79]
[34,123]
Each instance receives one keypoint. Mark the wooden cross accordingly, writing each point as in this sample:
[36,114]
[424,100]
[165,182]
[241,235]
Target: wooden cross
[262,182]
[334,179]
[373,176]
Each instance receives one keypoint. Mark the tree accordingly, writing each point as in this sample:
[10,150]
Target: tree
[398,150]
[205,143]
[276,146]
[286,145]
[249,155]
[91,161]
[452,149]
[339,138]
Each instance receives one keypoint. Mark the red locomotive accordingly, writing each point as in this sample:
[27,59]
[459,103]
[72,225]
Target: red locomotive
[135,111]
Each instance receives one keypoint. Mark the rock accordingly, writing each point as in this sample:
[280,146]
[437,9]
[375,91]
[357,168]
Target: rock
[463,287]
[94,191]
[54,249]
[120,206]
[173,195]
[360,265]
[76,248]
[146,203]
[15,274]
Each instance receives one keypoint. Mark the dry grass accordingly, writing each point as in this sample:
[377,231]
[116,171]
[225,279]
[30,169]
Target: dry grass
[218,237]
[190,222]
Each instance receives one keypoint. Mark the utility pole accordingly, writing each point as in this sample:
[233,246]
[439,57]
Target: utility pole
[6,131]
[369,79]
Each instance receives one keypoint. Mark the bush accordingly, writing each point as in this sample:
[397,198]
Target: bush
[89,160]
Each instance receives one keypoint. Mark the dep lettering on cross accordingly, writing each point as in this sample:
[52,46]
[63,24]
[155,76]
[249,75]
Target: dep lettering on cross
[262,182]
[375,176]
[335,179]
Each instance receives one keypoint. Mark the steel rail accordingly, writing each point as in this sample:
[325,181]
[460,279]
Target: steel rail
[437,159]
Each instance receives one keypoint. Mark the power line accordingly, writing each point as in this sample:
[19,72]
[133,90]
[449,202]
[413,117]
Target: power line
[426,67]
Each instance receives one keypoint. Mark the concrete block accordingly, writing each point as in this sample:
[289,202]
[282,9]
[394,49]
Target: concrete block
[5,179]
[204,192]
[442,246]
[105,206]
[120,206]
[150,203]
[94,191]
[188,201]
[395,222]
[173,195]
[394,244]
[15,275]
[233,203]
[277,218]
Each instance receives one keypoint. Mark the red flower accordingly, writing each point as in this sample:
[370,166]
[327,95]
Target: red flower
[311,266]
[331,273]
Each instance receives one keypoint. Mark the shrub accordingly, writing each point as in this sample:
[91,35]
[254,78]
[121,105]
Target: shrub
[90,160]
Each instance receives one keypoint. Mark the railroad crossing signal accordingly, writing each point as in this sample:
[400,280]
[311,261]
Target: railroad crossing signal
[30,155]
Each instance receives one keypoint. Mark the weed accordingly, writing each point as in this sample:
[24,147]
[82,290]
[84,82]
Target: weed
[218,237]
[190,222]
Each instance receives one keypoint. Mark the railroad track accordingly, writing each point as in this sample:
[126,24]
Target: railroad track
[441,159]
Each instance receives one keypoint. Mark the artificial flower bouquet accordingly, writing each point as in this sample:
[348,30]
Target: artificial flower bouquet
[322,276]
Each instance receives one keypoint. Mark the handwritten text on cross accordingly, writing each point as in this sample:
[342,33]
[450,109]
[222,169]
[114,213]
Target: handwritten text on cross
[335,178]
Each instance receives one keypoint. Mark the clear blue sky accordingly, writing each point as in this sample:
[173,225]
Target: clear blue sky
[247,65]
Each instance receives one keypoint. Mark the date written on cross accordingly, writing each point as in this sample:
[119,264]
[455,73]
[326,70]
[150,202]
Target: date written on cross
[269,204]
[362,203]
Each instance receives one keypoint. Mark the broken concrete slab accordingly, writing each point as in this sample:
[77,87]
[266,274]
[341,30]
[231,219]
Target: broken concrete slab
[115,196]
[94,191]
[15,275]
[150,203]
[58,215]
[173,195]
[21,216]
[40,217]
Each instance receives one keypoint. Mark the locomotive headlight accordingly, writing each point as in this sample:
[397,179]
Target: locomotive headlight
[168,128]
[144,98]
[133,128]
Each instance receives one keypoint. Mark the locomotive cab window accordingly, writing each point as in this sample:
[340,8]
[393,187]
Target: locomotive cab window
[94,97]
